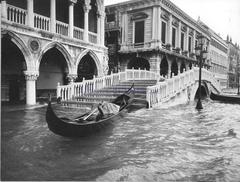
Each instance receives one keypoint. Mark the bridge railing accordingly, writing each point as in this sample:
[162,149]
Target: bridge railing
[164,91]
[77,89]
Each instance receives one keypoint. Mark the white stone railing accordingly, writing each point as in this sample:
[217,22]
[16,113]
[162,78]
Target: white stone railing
[76,89]
[16,15]
[78,33]
[92,37]
[41,22]
[164,91]
[61,28]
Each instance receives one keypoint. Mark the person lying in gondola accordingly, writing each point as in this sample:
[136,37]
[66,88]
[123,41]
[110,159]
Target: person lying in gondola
[106,109]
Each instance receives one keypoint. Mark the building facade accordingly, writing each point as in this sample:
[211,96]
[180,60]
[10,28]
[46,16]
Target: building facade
[234,63]
[49,42]
[154,34]
[218,56]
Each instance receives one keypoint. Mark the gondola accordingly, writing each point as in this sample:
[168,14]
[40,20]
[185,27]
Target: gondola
[73,128]
[225,98]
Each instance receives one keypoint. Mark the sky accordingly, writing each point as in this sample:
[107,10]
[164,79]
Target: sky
[222,16]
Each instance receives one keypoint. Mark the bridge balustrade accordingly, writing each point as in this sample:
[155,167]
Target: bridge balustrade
[166,90]
[77,89]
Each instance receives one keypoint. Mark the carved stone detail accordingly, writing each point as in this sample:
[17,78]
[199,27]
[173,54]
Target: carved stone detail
[71,78]
[34,45]
[31,75]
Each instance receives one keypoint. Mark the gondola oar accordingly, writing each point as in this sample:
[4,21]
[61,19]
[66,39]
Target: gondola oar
[90,114]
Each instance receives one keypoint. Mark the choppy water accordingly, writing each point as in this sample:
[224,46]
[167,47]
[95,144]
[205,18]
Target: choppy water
[164,144]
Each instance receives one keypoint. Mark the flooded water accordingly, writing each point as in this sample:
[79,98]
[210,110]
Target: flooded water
[164,144]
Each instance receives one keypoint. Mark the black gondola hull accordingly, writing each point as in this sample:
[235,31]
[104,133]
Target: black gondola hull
[225,98]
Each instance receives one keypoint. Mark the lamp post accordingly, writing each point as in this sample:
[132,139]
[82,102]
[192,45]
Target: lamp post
[238,92]
[200,53]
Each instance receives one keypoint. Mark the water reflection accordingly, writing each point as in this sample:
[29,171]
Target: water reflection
[163,144]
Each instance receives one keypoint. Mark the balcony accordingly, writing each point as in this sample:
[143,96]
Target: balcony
[17,15]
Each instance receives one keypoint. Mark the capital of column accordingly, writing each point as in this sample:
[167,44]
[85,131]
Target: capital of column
[72,2]
[31,75]
[86,8]
[71,78]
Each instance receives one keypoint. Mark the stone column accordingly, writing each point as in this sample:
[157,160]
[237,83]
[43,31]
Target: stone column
[179,35]
[31,77]
[170,30]
[53,16]
[86,11]
[194,40]
[30,13]
[124,30]
[156,26]
[186,39]
[169,69]
[153,65]
[4,9]
[71,17]
[102,29]
[99,28]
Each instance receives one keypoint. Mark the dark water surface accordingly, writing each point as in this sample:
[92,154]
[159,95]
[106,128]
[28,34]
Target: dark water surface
[164,144]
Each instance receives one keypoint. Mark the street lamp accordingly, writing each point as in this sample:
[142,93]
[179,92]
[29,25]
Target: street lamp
[238,69]
[201,53]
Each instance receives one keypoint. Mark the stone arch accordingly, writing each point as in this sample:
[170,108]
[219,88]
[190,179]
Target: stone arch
[164,66]
[20,44]
[59,47]
[94,57]
[182,66]
[138,63]
[83,59]
[174,67]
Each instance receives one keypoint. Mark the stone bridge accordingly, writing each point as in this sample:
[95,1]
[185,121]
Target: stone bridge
[180,88]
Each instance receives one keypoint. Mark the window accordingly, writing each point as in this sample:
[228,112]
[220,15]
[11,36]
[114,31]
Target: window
[139,32]
[110,17]
[163,32]
[189,44]
[173,37]
[182,41]
[196,44]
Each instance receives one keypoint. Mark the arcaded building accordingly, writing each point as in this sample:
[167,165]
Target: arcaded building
[49,42]
[155,35]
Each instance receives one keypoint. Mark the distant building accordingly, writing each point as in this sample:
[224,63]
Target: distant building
[218,56]
[50,41]
[234,63]
[155,35]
